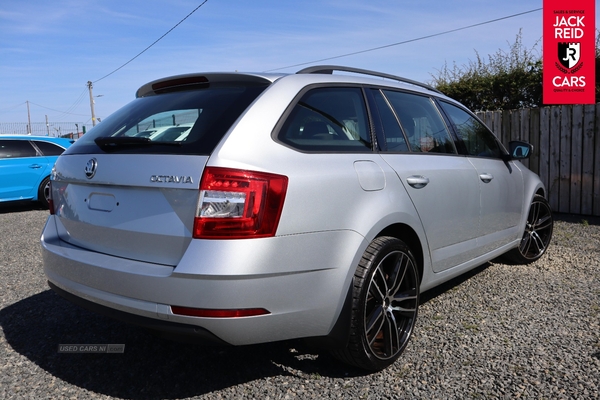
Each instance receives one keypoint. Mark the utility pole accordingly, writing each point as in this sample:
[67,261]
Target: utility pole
[47,127]
[28,119]
[89,84]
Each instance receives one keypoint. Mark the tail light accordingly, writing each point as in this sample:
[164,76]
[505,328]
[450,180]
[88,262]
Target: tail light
[237,204]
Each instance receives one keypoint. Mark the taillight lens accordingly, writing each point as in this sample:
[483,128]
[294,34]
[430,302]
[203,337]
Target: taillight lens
[237,204]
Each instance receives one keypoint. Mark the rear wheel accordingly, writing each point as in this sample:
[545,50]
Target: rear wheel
[537,235]
[44,192]
[384,305]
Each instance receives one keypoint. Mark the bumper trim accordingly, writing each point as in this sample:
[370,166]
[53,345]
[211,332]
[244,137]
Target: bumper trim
[166,329]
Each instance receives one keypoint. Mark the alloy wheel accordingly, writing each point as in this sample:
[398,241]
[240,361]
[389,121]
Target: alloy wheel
[391,305]
[538,230]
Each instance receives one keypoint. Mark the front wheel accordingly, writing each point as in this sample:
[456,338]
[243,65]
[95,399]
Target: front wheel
[537,234]
[384,305]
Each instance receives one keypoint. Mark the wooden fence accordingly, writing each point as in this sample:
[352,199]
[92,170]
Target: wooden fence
[566,154]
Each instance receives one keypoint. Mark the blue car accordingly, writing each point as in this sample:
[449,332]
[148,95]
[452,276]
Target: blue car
[25,166]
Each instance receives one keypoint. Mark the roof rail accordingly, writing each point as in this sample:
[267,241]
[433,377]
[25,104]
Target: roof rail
[328,69]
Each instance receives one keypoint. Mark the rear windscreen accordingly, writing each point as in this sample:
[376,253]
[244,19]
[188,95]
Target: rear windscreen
[184,122]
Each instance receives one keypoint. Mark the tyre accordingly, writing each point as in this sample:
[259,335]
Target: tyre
[44,192]
[384,305]
[537,235]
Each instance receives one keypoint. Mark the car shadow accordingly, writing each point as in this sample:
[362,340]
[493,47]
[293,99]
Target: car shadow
[20,206]
[452,283]
[150,367]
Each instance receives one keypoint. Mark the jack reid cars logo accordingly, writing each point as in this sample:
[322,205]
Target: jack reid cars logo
[170,179]
[90,168]
[569,54]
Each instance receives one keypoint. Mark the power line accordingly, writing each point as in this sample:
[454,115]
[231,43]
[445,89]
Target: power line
[156,41]
[77,102]
[72,107]
[12,107]
[81,96]
[52,109]
[407,41]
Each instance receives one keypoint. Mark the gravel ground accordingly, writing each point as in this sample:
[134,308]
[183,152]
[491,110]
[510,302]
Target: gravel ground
[502,331]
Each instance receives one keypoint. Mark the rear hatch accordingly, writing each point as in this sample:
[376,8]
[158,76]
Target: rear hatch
[134,196]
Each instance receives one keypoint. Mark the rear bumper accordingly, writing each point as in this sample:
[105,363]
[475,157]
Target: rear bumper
[169,329]
[302,280]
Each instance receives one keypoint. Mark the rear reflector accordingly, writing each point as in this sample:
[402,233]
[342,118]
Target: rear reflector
[216,313]
[237,204]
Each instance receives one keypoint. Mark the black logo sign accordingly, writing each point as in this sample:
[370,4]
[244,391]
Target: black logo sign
[569,54]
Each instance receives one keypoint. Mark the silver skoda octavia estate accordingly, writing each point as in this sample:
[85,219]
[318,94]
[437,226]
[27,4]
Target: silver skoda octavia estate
[311,205]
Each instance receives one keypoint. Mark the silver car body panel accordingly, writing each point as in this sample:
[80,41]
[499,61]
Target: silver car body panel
[502,194]
[448,205]
[104,214]
[273,273]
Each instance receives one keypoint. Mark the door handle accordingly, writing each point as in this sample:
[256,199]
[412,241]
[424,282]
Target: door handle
[417,181]
[35,166]
[486,178]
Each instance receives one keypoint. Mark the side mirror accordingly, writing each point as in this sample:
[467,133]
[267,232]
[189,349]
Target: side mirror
[519,150]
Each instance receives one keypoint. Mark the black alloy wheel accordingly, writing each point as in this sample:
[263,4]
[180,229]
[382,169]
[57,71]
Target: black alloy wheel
[385,305]
[537,235]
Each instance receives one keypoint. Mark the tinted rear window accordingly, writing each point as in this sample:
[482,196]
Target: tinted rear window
[188,122]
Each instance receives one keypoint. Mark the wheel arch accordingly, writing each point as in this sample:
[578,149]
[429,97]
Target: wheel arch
[339,334]
[541,192]
[408,235]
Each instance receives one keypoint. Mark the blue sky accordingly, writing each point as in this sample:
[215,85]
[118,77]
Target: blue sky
[50,49]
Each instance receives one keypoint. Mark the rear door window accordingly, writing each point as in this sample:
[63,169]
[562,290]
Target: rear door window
[421,122]
[328,119]
[16,149]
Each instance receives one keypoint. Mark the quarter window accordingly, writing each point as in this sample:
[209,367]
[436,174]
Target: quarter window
[422,123]
[478,140]
[49,149]
[328,119]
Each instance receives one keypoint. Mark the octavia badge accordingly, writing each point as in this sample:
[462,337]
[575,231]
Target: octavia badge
[90,168]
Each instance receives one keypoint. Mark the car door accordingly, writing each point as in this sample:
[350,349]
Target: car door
[501,182]
[20,169]
[442,184]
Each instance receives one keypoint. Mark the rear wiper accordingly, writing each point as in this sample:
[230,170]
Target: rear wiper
[113,143]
